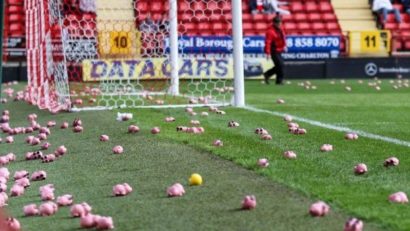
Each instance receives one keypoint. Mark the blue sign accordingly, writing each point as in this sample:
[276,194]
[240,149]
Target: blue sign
[298,47]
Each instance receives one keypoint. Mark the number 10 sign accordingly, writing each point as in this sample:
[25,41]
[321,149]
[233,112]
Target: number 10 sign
[120,42]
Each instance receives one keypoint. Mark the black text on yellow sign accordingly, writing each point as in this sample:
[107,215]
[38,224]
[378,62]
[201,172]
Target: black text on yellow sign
[120,42]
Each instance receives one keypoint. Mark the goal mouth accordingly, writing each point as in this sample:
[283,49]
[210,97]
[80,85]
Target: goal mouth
[85,54]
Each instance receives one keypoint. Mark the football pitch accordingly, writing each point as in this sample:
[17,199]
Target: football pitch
[378,110]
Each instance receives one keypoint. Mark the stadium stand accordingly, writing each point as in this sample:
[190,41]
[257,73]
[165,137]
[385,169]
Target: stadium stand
[400,31]
[14,19]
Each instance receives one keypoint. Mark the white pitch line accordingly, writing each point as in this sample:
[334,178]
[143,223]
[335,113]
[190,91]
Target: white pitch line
[333,127]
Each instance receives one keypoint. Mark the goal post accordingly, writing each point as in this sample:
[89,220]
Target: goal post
[93,54]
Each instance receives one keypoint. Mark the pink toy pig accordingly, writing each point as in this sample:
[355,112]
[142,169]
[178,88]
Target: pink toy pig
[360,169]
[353,224]
[105,223]
[249,202]
[38,175]
[118,149]
[391,161]
[399,197]
[16,190]
[319,209]
[48,208]
[176,190]
[104,138]
[326,148]
[290,155]
[133,129]
[218,143]
[30,210]
[65,200]
[155,130]
[263,163]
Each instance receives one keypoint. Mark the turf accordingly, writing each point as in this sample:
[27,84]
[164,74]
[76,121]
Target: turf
[284,190]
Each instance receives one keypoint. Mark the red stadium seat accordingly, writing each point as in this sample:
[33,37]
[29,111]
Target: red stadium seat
[311,7]
[300,17]
[329,17]
[290,26]
[247,17]
[406,45]
[185,17]
[15,9]
[157,7]
[198,6]
[303,26]
[228,17]
[314,17]
[390,18]
[325,7]
[261,26]
[318,26]
[390,26]
[212,8]
[332,26]
[15,2]
[226,6]
[405,17]
[296,7]
[183,6]
[142,6]
[399,7]
[404,26]
[15,17]
[285,18]
[256,18]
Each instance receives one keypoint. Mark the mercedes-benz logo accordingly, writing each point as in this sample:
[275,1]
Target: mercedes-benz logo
[371,69]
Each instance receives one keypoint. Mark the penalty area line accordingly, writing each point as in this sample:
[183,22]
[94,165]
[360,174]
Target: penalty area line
[333,127]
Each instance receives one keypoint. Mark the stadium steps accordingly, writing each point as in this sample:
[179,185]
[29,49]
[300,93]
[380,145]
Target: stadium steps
[354,15]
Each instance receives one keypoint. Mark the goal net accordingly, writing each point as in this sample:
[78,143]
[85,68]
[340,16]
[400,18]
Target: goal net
[91,54]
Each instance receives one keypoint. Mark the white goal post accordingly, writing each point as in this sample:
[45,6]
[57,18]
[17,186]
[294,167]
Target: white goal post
[93,54]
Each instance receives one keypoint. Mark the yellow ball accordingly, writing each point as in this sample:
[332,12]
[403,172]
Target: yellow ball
[195,179]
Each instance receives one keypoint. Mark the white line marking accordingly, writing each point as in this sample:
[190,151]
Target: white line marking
[333,127]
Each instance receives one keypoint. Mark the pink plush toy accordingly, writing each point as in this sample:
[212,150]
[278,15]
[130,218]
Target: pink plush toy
[195,122]
[287,118]
[48,158]
[4,160]
[4,172]
[16,190]
[78,129]
[280,101]
[249,202]
[42,136]
[290,155]
[3,199]
[88,221]
[218,143]
[47,194]
[155,130]
[65,200]
[326,148]
[351,136]
[263,163]
[360,169]
[176,190]
[104,138]
[391,161]
[319,209]
[399,197]
[3,187]
[45,130]
[353,224]
[30,210]
[51,124]
[105,223]
[9,139]
[169,119]
[48,208]
[261,131]
[121,189]
[38,175]
[64,125]
[118,149]
[79,210]
[60,150]
[133,129]
[13,224]
[34,155]
[25,182]
[20,174]
[266,137]
[35,141]
[45,146]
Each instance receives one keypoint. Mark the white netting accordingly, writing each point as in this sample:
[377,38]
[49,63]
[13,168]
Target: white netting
[116,54]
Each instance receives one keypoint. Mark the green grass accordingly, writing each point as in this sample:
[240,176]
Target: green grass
[284,190]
